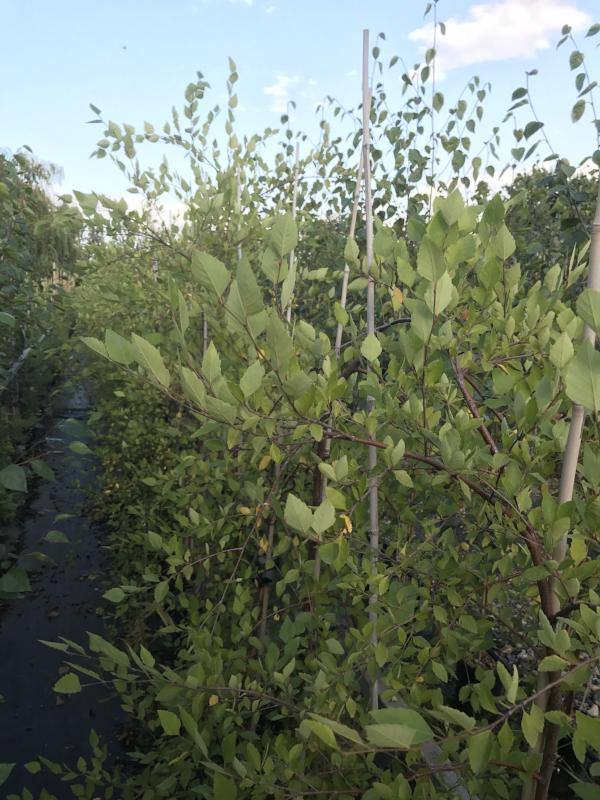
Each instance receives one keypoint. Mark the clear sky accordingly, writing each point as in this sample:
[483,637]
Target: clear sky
[133,59]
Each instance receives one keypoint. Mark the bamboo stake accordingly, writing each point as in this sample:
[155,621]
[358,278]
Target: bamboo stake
[288,311]
[548,740]
[373,487]
[321,480]
[238,205]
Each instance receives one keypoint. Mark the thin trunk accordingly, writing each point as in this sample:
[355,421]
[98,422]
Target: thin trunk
[288,311]
[266,591]
[373,487]
[553,701]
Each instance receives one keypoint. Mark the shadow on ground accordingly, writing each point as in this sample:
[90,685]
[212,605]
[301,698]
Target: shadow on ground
[65,600]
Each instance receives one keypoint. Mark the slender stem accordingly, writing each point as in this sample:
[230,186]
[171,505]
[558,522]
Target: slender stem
[292,264]
[372,462]
[547,742]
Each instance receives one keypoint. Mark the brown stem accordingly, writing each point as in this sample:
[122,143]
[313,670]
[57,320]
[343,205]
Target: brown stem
[483,429]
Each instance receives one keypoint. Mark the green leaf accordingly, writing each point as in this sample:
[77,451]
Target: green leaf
[280,343]
[552,664]
[211,364]
[191,728]
[582,378]
[250,294]
[452,207]
[171,724]
[503,244]
[457,717]
[339,729]
[15,581]
[323,517]
[575,59]
[119,349]
[210,272]
[283,236]
[588,308]
[371,347]
[252,378]
[479,749]
[13,478]
[100,645]
[531,128]
[439,294]
[56,537]
[562,351]
[405,717]
[223,788]
[351,252]
[494,211]
[80,448]
[96,345]
[297,514]
[68,684]
[43,470]
[320,730]
[5,770]
[577,111]
[384,735]
[587,734]
[7,319]
[115,595]
[193,387]
[148,356]
[532,724]
[430,260]
[438,102]
[586,791]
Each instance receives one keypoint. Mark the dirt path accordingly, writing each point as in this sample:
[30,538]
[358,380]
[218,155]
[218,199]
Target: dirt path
[64,601]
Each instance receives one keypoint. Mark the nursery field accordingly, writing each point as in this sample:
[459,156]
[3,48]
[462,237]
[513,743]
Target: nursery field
[327,523]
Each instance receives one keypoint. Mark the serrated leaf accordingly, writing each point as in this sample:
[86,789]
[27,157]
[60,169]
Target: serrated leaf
[252,378]
[119,349]
[210,272]
[193,387]
[149,357]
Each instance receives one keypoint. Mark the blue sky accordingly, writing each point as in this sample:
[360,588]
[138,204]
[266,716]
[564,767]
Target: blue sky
[133,59]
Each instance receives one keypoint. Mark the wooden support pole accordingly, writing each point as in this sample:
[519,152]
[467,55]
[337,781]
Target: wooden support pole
[372,462]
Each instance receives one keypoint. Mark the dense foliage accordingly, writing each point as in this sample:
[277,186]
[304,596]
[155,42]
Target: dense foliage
[266,648]
[38,246]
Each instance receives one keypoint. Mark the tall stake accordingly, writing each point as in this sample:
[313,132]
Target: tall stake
[373,487]
[320,483]
[288,311]
[238,206]
[552,700]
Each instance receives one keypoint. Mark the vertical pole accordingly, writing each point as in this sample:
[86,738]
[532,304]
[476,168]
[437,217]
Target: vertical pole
[548,740]
[319,492]
[373,487]
[238,205]
[288,311]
